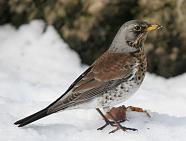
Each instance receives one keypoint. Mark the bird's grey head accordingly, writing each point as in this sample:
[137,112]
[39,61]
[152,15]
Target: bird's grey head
[131,36]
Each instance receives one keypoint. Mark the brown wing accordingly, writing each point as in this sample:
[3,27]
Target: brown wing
[114,66]
[104,74]
[110,66]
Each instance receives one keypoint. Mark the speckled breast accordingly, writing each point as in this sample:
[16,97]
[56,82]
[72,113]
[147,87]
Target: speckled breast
[121,93]
[126,89]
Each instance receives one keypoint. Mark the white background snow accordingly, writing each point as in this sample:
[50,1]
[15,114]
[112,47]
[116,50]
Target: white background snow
[36,68]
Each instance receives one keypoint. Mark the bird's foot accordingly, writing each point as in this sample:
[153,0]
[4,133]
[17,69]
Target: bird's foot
[107,121]
[123,128]
[106,124]
[118,125]
[118,115]
[113,124]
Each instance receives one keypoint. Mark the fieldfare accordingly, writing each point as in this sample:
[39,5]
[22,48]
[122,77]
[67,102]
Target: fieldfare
[110,80]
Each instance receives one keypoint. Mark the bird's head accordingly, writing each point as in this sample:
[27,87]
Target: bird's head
[132,35]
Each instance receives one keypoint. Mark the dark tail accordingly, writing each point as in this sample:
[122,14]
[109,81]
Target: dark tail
[32,118]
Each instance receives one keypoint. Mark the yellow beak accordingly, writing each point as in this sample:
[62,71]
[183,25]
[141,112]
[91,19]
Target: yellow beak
[153,27]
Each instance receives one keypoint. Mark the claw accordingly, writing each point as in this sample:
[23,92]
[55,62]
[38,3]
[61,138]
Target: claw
[115,122]
[123,129]
[113,131]
[118,125]
[111,123]
[107,121]
[102,127]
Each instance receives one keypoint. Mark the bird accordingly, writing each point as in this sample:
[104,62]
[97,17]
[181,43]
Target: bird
[114,77]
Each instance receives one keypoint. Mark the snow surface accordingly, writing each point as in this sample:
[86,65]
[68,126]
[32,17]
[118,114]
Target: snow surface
[36,67]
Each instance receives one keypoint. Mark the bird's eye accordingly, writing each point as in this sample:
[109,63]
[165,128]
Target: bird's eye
[130,43]
[137,28]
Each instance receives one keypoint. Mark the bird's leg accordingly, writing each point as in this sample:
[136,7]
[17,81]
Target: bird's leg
[118,115]
[137,109]
[107,122]
[119,126]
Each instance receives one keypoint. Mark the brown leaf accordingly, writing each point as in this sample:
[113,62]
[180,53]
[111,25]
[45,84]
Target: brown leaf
[119,113]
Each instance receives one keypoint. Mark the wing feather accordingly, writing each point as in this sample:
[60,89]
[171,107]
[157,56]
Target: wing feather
[105,74]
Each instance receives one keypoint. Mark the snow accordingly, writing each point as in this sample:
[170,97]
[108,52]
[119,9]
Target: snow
[36,67]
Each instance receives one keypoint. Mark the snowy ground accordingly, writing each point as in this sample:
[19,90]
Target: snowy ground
[37,67]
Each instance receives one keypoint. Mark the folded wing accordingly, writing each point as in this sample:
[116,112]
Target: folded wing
[105,74]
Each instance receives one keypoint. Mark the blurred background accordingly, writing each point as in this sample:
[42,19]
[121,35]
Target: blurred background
[88,26]
[46,44]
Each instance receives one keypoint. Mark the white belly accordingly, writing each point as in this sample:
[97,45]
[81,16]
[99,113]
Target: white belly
[119,94]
